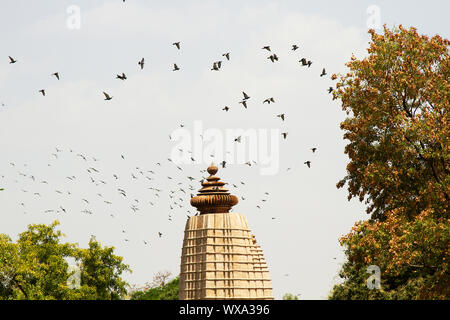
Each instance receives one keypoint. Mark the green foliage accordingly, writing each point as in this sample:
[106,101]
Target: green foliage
[289,296]
[35,267]
[166,292]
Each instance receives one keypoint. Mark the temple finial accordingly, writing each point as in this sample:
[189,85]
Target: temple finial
[212,169]
[213,197]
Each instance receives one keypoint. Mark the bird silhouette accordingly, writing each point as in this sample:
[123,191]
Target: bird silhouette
[215,67]
[246,96]
[175,67]
[11,60]
[266,48]
[244,103]
[141,63]
[281,116]
[121,77]
[284,134]
[294,47]
[177,44]
[304,62]
[273,57]
[226,55]
[269,100]
[308,163]
[42,91]
[226,108]
[324,73]
[107,96]
[313,149]
[56,74]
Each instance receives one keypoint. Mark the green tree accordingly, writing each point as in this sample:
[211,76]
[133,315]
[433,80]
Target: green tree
[165,291]
[35,267]
[289,296]
[397,102]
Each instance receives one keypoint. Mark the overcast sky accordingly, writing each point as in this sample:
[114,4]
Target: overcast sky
[300,244]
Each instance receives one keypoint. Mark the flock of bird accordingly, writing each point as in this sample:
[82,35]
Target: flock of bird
[177,194]
[304,62]
[112,192]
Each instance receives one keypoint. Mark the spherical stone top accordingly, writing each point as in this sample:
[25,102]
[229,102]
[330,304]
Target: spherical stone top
[212,169]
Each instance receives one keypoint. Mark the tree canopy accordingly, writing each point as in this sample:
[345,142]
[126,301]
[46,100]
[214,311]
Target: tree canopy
[289,296]
[397,125]
[36,267]
[160,289]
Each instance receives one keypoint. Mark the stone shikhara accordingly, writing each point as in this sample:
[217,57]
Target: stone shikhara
[220,257]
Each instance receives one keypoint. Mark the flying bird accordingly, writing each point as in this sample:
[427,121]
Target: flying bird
[273,57]
[141,63]
[294,47]
[281,116]
[313,149]
[42,91]
[226,108]
[305,63]
[246,97]
[177,44]
[121,77]
[266,48]
[330,89]
[56,74]
[244,103]
[269,100]
[308,163]
[226,55]
[324,73]
[284,134]
[175,67]
[11,60]
[107,96]
[215,67]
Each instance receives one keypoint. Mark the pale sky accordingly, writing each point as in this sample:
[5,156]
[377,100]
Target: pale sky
[300,244]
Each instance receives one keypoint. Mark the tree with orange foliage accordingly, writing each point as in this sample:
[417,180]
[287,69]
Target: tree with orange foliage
[397,103]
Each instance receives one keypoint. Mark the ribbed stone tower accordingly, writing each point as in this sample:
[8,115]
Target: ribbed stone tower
[220,258]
